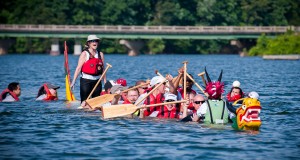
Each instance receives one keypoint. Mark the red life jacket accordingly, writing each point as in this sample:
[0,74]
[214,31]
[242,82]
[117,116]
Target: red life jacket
[49,96]
[7,91]
[180,90]
[173,113]
[127,102]
[234,98]
[93,66]
[191,107]
[153,100]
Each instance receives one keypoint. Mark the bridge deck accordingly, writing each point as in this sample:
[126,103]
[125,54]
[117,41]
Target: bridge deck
[147,32]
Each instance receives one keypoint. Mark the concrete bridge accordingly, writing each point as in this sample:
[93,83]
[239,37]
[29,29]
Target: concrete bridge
[125,33]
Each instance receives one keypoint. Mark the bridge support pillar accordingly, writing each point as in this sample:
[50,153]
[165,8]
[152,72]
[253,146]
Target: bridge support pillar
[77,47]
[54,47]
[4,45]
[240,47]
[132,46]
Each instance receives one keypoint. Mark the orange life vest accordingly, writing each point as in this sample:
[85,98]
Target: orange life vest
[7,91]
[49,96]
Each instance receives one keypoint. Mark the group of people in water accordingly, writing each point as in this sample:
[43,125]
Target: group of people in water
[47,92]
[210,108]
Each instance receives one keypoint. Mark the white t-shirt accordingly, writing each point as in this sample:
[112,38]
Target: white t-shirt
[8,98]
[41,97]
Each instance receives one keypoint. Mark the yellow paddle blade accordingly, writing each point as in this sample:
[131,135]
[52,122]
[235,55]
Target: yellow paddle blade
[69,95]
[100,100]
[118,110]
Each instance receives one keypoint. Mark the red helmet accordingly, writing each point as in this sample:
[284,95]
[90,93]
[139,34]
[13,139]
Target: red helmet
[121,82]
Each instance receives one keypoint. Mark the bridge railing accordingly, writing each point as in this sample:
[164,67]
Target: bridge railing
[149,29]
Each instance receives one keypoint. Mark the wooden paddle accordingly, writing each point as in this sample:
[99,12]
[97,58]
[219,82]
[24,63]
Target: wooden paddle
[202,76]
[184,78]
[97,102]
[198,85]
[103,74]
[126,109]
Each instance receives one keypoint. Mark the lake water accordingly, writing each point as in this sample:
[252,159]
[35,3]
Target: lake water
[57,130]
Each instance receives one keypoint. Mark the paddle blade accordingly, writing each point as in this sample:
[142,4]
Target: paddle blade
[69,94]
[118,110]
[100,100]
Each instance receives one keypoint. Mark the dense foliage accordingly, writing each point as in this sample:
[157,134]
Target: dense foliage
[148,12]
[288,43]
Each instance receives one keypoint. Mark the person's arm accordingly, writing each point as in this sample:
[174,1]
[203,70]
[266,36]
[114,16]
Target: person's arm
[116,98]
[178,78]
[142,110]
[102,57]
[185,110]
[78,68]
[171,85]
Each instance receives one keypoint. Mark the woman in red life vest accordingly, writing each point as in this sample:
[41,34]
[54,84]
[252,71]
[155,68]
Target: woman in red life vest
[90,66]
[11,93]
[47,92]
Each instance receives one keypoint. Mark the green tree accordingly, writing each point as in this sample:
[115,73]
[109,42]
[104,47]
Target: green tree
[121,12]
[155,46]
[264,12]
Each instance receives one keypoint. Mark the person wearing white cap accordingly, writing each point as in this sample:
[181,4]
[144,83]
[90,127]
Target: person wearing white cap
[90,66]
[235,92]
[156,97]
[170,110]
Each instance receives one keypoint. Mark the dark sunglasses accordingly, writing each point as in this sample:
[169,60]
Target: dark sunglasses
[198,102]
[94,41]
[144,87]
[169,100]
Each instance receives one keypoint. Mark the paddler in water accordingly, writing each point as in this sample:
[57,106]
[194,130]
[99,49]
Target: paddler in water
[235,92]
[11,93]
[156,97]
[192,115]
[214,110]
[90,66]
[172,111]
[47,92]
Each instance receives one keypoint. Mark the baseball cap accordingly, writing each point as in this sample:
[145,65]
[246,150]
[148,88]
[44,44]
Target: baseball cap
[115,88]
[155,80]
[122,82]
[170,96]
[253,95]
[49,85]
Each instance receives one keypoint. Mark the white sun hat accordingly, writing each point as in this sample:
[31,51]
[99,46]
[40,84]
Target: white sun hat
[92,37]
[155,80]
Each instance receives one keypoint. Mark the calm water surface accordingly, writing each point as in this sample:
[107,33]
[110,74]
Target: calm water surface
[57,130]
